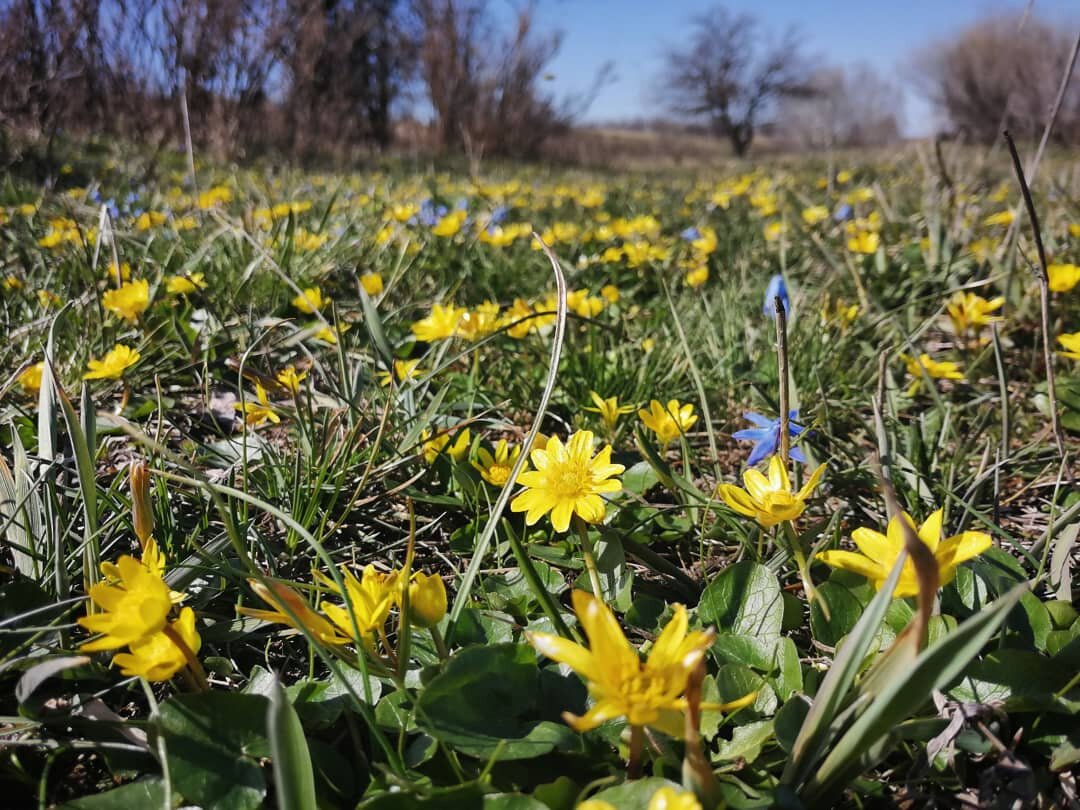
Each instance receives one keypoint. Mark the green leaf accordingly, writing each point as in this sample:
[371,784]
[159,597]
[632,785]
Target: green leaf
[294,779]
[744,600]
[634,795]
[845,608]
[640,478]
[746,742]
[512,801]
[866,741]
[213,741]
[146,793]
[485,700]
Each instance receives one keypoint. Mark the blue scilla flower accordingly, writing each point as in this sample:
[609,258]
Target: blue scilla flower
[690,234]
[499,215]
[777,287]
[766,436]
[842,212]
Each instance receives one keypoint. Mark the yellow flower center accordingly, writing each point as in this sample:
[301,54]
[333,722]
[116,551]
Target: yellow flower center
[498,474]
[570,480]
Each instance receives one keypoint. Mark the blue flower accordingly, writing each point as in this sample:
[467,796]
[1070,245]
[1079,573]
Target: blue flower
[690,234]
[842,212]
[499,215]
[766,436]
[776,287]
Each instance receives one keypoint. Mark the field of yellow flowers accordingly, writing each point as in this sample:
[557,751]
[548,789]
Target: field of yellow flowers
[410,489]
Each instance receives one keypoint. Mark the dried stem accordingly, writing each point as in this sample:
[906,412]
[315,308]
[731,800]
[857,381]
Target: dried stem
[1044,294]
[782,363]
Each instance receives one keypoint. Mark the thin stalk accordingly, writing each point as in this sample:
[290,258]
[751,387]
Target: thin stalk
[782,364]
[589,556]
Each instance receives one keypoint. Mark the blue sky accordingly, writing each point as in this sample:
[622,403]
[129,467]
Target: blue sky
[632,33]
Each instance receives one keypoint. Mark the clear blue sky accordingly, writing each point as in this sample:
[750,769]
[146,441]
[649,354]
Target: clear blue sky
[632,34]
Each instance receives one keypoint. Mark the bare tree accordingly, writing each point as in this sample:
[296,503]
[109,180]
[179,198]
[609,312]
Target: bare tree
[1002,71]
[729,74]
[844,107]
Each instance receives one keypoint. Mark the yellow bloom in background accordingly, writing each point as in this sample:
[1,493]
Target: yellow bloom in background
[440,324]
[944,370]
[480,322]
[697,276]
[258,412]
[518,319]
[218,195]
[1000,218]
[450,224]
[310,301]
[769,500]
[648,344]
[970,312]
[158,657]
[865,242]
[12,282]
[879,553]
[567,481]
[843,177]
[669,422]
[1063,277]
[329,334]
[584,305]
[185,285]
[432,447]
[815,214]
[113,365]
[1074,229]
[30,378]
[120,273]
[427,599]
[669,798]
[1071,342]
[370,597]
[403,370]
[304,239]
[496,469]
[372,283]
[839,313]
[135,607]
[609,409]
[284,600]
[289,378]
[774,230]
[48,299]
[610,293]
[648,693]
[983,249]
[129,301]
[149,219]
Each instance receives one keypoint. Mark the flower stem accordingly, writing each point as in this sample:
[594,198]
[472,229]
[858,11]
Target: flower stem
[633,763]
[440,644]
[803,565]
[590,558]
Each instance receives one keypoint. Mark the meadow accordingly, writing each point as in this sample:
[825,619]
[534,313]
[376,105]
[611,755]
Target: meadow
[412,488]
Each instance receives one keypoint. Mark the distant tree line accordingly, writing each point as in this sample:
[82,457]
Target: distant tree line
[302,77]
[307,78]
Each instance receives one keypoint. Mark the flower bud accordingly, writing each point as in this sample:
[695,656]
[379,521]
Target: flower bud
[427,599]
[141,511]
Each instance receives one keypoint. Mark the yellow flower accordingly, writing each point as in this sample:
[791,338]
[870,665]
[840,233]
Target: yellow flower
[610,293]
[769,500]
[372,283]
[12,282]
[434,446]
[304,239]
[496,469]
[450,224]
[142,510]
[289,378]
[1063,277]
[863,242]
[697,276]
[158,657]
[427,599]
[310,301]
[969,311]
[440,324]
[648,344]
[121,273]
[944,370]
[609,409]
[284,600]
[185,285]
[646,694]
[30,378]
[843,177]
[567,481]
[47,299]
[774,230]
[403,370]
[1070,342]
[480,322]
[880,552]
[584,305]
[668,423]
[669,798]
[134,607]
[329,334]
[839,312]
[370,597]
[113,365]
[518,319]
[815,214]
[1000,218]
[129,301]
[258,412]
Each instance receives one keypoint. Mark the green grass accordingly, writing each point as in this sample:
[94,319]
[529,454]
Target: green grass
[469,715]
